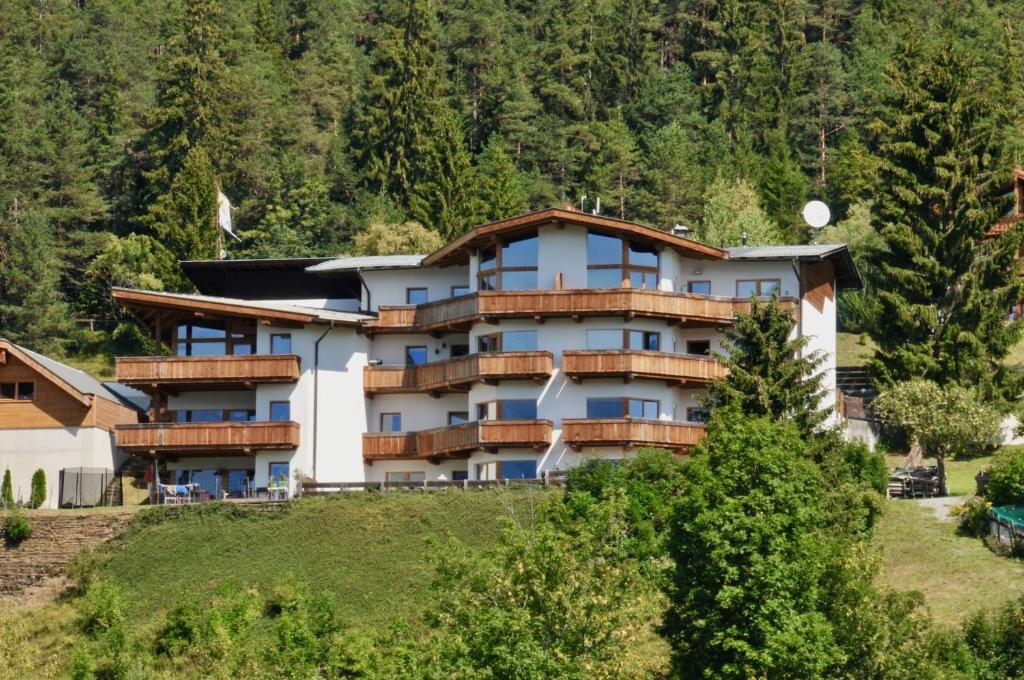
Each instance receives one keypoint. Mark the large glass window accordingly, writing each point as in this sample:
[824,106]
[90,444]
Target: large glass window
[648,340]
[615,263]
[460,290]
[278,475]
[414,356]
[623,339]
[281,343]
[214,338]
[458,417]
[618,407]
[510,341]
[280,410]
[604,408]
[390,422]
[699,287]
[510,266]
[643,408]
[757,287]
[405,476]
[604,338]
[415,296]
[517,409]
[22,391]
[518,469]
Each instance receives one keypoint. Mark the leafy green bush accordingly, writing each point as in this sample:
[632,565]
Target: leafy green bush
[103,608]
[38,495]
[16,528]
[972,516]
[1006,478]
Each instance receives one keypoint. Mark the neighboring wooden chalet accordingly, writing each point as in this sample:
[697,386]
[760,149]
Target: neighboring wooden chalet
[59,419]
[1016,213]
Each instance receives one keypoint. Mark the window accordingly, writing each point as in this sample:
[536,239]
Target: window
[240,415]
[414,356]
[415,296]
[212,415]
[405,476]
[699,287]
[619,407]
[23,391]
[623,339]
[280,410]
[458,417]
[486,410]
[8,390]
[460,290]
[278,475]
[281,343]
[214,338]
[697,414]
[390,422]
[507,409]
[459,350]
[460,475]
[489,343]
[517,469]
[757,287]
[615,263]
[512,265]
[698,347]
[511,341]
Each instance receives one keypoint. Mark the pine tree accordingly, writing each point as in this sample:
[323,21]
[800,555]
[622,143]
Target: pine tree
[32,310]
[183,218]
[501,188]
[394,124]
[615,165]
[770,373]
[445,197]
[943,290]
[7,490]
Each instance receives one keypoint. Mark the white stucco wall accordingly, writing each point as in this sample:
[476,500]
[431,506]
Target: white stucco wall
[388,286]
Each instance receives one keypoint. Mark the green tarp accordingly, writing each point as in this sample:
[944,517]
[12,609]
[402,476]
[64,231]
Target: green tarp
[1010,514]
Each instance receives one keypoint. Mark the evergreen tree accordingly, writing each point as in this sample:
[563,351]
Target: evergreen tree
[943,289]
[38,492]
[409,238]
[733,216]
[770,373]
[184,218]
[502,189]
[445,197]
[614,169]
[32,310]
[7,490]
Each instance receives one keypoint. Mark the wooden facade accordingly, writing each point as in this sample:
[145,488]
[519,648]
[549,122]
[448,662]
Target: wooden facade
[460,312]
[684,370]
[457,374]
[207,372]
[229,438]
[457,441]
[630,433]
[53,403]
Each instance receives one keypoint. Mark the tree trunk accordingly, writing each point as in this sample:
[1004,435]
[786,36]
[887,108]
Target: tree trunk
[941,460]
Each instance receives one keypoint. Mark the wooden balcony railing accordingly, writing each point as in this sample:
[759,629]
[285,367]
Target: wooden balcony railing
[457,441]
[675,369]
[630,433]
[207,438]
[207,372]
[459,312]
[457,374]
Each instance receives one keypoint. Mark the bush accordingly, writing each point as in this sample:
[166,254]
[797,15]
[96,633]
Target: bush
[1006,478]
[102,608]
[38,488]
[17,528]
[973,516]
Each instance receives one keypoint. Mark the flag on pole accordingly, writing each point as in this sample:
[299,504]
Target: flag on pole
[224,214]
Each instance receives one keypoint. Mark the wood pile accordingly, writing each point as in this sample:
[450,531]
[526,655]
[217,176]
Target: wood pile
[914,481]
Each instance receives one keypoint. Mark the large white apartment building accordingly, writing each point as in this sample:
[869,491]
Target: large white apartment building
[519,348]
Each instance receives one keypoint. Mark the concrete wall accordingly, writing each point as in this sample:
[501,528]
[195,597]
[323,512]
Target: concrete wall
[387,286]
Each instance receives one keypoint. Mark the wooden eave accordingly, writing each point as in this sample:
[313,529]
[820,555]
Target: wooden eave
[13,350]
[458,251]
[139,302]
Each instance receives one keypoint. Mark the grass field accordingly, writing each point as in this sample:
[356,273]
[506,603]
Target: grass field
[850,352]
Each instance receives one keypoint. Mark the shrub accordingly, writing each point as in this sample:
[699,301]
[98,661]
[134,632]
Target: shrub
[1006,478]
[973,516]
[102,608]
[17,528]
[7,490]
[38,488]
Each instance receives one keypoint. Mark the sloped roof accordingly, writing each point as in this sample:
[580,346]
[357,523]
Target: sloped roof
[368,262]
[847,276]
[75,381]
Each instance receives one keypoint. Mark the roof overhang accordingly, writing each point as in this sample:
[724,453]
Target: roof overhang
[847,275]
[14,350]
[459,250]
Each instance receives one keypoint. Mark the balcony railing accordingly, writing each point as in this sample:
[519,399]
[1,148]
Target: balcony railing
[630,433]
[676,369]
[457,374]
[207,372]
[458,313]
[457,441]
[207,438]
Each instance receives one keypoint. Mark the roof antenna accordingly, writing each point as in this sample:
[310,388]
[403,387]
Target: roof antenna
[583,200]
[597,208]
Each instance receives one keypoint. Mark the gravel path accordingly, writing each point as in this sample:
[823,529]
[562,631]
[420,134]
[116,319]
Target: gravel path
[941,506]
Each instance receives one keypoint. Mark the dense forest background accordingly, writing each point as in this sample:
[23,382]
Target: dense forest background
[120,119]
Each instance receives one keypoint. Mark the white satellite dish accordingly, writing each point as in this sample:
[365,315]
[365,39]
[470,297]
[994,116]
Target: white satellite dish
[816,214]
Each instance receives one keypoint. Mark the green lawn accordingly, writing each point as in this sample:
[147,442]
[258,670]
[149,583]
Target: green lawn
[99,365]
[958,575]
[850,351]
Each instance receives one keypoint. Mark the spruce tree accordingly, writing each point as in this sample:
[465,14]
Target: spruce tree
[501,188]
[614,167]
[444,198]
[770,372]
[38,491]
[183,218]
[943,289]
[7,490]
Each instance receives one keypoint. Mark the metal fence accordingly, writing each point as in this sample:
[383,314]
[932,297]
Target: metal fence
[87,487]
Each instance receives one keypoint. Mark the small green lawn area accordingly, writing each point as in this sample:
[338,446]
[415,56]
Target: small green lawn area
[1016,355]
[958,575]
[849,351]
[99,365]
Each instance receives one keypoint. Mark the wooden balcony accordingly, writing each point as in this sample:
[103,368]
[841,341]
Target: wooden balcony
[458,313]
[683,370]
[630,433]
[207,439]
[457,441]
[207,373]
[457,375]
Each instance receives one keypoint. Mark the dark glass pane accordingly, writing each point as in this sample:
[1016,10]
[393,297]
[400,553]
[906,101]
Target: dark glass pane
[26,391]
[652,341]
[643,255]
[604,339]
[458,417]
[7,391]
[238,483]
[280,410]
[488,259]
[460,475]
[206,415]
[519,469]
[519,341]
[206,349]
[208,330]
[243,349]
[489,282]
[414,356]
[642,408]
[417,476]
[520,252]
[698,347]
[643,280]
[281,344]
[207,480]
[526,280]
[604,278]
[697,415]
[603,249]
[239,415]
[483,411]
[604,408]
[460,290]
[460,350]
[518,409]
[699,287]
[487,343]
[415,296]
[745,289]
[769,287]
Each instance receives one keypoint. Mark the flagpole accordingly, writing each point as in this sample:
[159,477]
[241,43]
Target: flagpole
[216,222]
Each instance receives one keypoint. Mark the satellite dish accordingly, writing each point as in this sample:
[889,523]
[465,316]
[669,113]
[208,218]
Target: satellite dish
[816,214]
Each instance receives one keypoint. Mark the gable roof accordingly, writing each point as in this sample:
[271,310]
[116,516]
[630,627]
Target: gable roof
[458,251]
[77,383]
[847,276]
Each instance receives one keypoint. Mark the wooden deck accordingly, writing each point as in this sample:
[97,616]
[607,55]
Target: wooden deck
[231,438]
[459,374]
[206,372]
[684,370]
[456,441]
[458,313]
[630,433]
